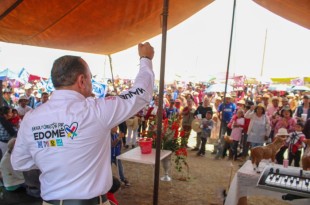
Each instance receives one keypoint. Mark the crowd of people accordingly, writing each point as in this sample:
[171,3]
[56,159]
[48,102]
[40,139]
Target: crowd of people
[243,119]
[234,123]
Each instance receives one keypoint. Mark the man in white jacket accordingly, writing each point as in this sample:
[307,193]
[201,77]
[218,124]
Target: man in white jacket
[68,137]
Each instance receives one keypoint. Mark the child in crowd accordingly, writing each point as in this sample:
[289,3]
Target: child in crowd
[295,144]
[15,120]
[236,133]
[206,125]
[116,140]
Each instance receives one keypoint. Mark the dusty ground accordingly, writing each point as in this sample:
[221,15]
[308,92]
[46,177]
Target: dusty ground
[208,177]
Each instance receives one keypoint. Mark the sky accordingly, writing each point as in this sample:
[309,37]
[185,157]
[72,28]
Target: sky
[197,48]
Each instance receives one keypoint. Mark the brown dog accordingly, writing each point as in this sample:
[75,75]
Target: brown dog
[306,157]
[266,152]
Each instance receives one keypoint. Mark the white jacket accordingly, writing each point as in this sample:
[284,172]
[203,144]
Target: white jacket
[68,138]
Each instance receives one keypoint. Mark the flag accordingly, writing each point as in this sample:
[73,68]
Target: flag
[297,81]
[99,89]
[49,85]
[23,75]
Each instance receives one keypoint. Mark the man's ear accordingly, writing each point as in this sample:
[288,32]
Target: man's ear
[81,81]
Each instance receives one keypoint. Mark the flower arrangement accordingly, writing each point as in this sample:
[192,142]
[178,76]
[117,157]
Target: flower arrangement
[171,139]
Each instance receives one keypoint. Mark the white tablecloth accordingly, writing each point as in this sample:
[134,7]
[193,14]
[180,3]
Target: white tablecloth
[244,184]
[135,155]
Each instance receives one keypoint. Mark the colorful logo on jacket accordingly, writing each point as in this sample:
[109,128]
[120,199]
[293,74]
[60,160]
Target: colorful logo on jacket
[71,130]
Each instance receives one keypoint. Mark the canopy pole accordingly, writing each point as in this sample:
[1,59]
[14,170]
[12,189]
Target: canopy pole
[264,52]
[161,94]
[111,67]
[227,74]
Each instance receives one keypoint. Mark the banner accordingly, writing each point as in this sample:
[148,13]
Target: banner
[99,89]
[297,81]
[49,85]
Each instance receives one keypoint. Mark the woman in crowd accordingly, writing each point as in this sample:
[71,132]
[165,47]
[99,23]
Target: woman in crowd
[259,128]
[284,121]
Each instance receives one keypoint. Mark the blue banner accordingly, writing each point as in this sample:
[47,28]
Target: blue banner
[99,89]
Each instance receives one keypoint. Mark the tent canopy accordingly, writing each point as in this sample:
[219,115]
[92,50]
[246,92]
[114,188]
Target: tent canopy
[108,26]
[93,26]
[297,11]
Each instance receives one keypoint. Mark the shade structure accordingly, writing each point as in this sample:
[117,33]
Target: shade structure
[297,11]
[8,74]
[93,26]
[108,26]
[300,88]
[278,87]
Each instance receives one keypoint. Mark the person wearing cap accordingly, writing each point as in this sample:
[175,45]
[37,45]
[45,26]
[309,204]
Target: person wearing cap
[23,108]
[241,104]
[284,102]
[68,137]
[292,102]
[273,107]
[6,98]
[225,112]
[302,112]
[28,94]
[259,128]
[265,99]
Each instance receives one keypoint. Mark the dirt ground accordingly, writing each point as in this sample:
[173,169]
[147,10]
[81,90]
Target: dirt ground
[208,178]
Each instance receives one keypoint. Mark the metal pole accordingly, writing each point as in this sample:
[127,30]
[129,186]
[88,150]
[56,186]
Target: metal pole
[227,72]
[161,94]
[111,67]
[264,51]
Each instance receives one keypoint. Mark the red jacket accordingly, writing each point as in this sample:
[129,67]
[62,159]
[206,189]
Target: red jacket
[149,111]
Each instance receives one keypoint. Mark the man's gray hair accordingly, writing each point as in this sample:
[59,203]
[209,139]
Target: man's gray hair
[66,69]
